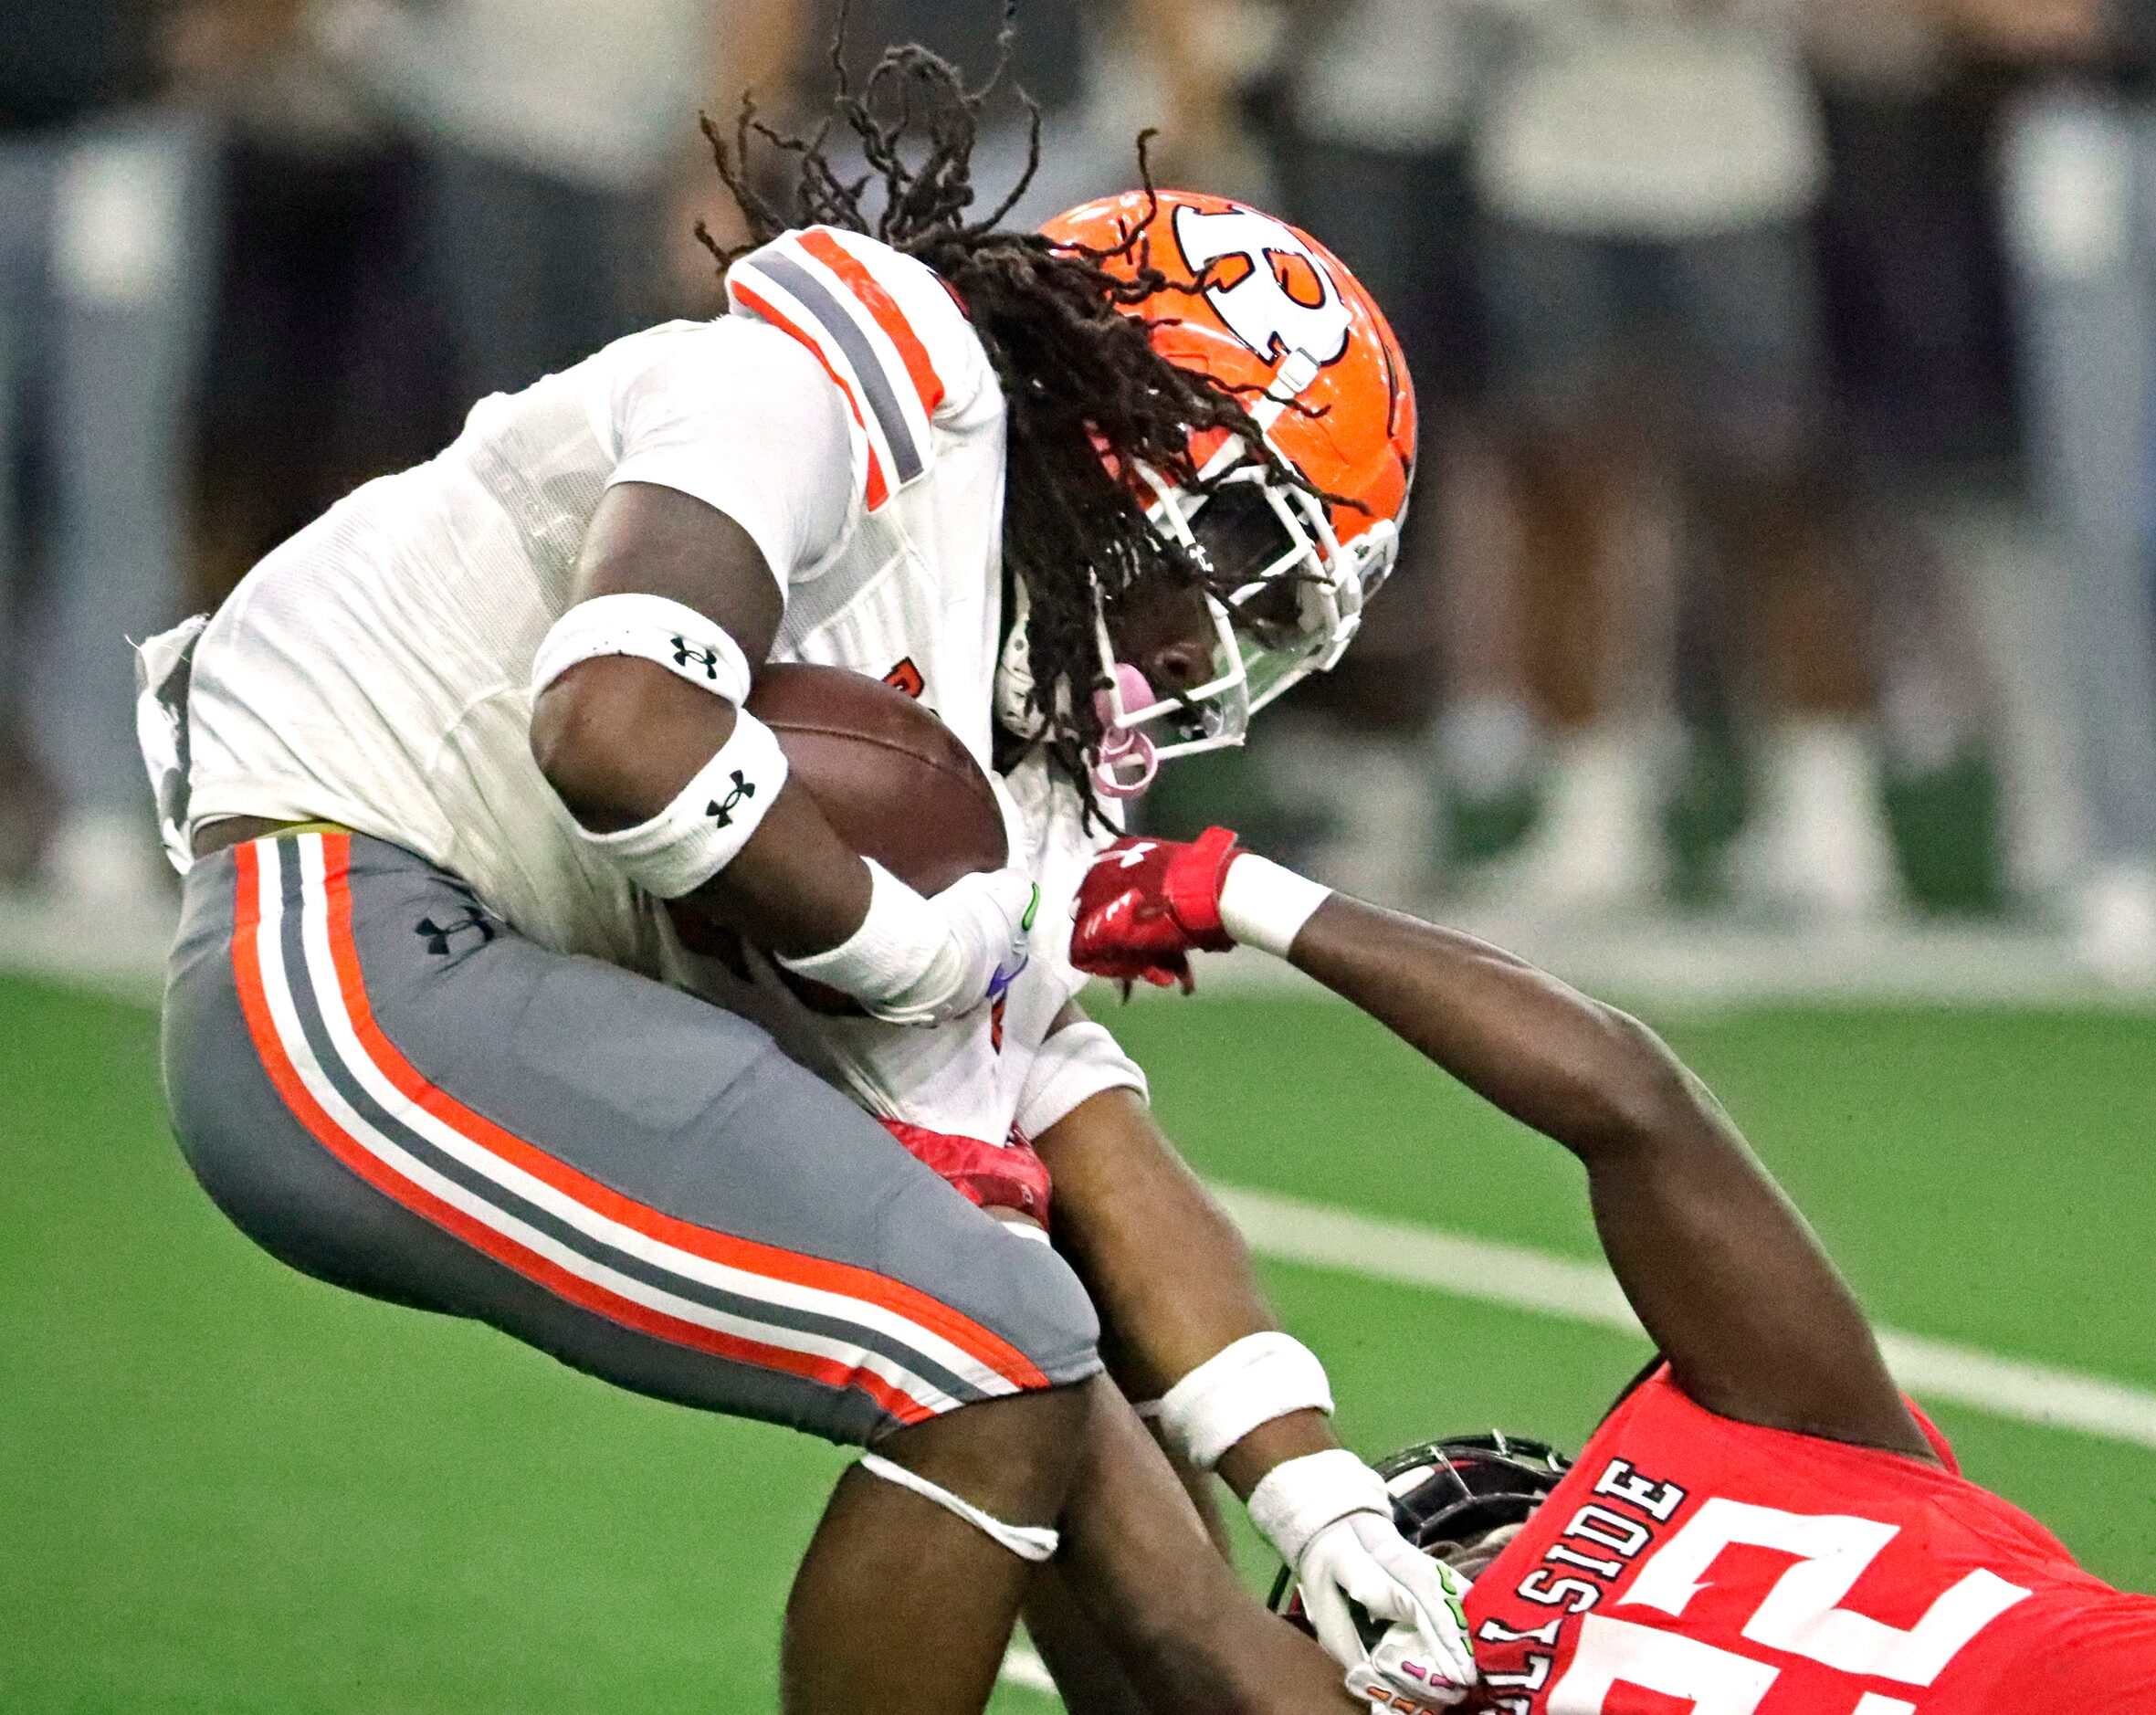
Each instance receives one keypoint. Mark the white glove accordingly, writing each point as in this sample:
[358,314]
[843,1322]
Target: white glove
[1396,1671]
[1329,1518]
[919,961]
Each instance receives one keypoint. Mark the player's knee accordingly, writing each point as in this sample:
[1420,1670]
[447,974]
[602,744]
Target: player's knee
[1017,1290]
[1016,1457]
[1044,1345]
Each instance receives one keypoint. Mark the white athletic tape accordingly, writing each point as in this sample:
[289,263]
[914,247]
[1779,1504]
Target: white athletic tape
[709,821]
[1264,906]
[651,628]
[916,961]
[1298,1497]
[1258,1378]
[1073,1066]
[897,938]
[1033,1543]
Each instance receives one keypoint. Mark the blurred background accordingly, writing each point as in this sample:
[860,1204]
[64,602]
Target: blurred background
[1771,649]
[1777,601]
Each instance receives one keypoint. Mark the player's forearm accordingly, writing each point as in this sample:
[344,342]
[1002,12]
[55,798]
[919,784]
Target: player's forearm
[1170,1611]
[1725,1276]
[1170,1276]
[1169,1272]
[619,739]
[1587,1075]
[1724,1273]
[640,723]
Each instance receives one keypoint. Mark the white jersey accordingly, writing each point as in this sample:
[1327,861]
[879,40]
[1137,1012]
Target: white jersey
[373,670]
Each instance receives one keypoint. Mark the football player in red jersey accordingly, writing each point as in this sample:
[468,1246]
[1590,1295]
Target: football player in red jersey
[1764,1524]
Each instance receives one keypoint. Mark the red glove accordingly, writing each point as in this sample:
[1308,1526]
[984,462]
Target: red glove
[990,1175]
[1146,905]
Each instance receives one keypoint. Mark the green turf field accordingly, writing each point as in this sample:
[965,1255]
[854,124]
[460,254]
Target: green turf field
[230,1489]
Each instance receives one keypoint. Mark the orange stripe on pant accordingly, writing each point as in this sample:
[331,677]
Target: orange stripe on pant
[571,1287]
[844,1279]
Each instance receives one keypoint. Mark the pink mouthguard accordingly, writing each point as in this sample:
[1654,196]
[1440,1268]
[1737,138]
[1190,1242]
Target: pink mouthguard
[1127,764]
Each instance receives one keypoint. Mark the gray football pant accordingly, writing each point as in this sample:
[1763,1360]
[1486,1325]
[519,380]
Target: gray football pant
[392,1091]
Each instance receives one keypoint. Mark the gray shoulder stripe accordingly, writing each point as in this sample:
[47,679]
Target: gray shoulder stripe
[809,292]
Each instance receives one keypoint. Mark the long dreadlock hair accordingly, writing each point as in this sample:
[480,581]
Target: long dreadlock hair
[1086,392]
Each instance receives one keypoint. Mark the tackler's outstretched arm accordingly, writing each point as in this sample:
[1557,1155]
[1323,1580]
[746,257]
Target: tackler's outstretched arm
[1728,1280]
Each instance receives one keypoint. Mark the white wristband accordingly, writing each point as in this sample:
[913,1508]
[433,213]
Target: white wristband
[1298,1497]
[896,942]
[1073,1066]
[1258,1378]
[678,638]
[1264,906]
[710,820]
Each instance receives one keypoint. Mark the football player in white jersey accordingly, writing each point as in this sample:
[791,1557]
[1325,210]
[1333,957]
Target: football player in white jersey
[1093,494]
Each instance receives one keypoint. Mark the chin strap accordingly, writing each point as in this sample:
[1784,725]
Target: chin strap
[1028,1542]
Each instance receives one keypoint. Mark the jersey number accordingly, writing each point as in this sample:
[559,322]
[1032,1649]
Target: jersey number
[1800,1615]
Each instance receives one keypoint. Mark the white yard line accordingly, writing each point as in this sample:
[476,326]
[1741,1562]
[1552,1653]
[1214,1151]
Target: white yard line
[115,952]
[123,954]
[1290,1230]
[1663,964]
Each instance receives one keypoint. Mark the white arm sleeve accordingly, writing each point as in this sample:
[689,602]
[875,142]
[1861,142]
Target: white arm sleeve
[1073,1066]
[744,419]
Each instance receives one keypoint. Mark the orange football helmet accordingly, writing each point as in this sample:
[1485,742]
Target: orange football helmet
[1266,310]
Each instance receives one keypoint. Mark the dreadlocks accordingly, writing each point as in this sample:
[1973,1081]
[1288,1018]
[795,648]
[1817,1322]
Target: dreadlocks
[1088,394]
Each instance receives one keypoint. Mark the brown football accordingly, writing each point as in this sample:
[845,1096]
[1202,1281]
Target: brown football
[893,781]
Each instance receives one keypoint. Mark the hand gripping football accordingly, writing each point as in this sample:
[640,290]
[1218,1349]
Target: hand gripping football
[894,782]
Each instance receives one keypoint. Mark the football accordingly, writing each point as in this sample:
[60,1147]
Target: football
[893,780]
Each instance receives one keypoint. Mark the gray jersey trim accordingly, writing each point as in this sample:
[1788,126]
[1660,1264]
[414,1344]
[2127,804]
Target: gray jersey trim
[868,365]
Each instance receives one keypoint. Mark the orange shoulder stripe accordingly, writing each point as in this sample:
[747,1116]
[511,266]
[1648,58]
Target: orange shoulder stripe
[876,299]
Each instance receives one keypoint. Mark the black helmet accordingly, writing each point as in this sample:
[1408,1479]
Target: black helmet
[1457,1490]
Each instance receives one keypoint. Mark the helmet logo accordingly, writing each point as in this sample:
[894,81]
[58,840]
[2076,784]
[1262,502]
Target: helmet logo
[1258,308]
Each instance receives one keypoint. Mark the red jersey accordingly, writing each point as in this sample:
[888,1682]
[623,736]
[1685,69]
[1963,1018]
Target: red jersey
[1692,1565]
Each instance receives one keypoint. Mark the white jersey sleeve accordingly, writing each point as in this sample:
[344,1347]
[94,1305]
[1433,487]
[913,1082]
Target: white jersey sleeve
[888,331]
[744,419]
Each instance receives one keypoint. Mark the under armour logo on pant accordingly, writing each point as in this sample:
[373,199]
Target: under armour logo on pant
[439,935]
[721,810]
[685,652]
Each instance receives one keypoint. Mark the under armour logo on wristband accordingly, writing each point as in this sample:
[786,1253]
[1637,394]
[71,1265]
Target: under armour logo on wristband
[685,652]
[721,810]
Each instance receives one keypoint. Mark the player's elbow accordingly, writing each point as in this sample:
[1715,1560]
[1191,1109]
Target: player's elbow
[595,737]
[1641,1093]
